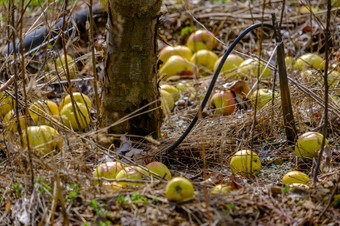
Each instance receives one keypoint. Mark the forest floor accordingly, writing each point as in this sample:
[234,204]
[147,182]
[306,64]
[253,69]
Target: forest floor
[63,191]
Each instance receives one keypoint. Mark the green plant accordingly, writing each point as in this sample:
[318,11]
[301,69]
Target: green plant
[285,189]
[98,208]
[18,189]
[42,186]
[186,31]
[74,190]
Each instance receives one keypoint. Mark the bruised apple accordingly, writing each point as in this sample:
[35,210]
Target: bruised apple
[160,169]
[309,60]
[78,97]
[46,108]
[204,58]
[245,162]
[170,51]
[179,189]
[309,144]
[293,177]
[174,66]
[223,102]
[43,138]
[68,116]
[232,62]
[107,170]
[201,39]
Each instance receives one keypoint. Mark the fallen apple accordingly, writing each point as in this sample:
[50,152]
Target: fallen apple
[204,58]
[10,123]
[78,97]
[167,100]
[170,51]
[68,116]
[201,39]
[335,3]
[175,65]
[111,186]
[130,173]
[6,104]
[179,189]
[289,61]
[309,60]
[223,102]
[295,177]
[231,63]
[43,139]
[249,68]
[263,96]
[245,162]
[160,169]
[61,66]
[184,86]
[309,144]
[222,189]
[46,108]
[108,170]
[172,90]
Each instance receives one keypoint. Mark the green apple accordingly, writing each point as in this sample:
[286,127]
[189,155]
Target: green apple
[289,61]
[249,68]
[170,51]
[245,161]
[179,189]
[172,90]
[46,108]
[6,104]
[167,100]
[204,58]
[224,102]
[78,97]
[130,173]
[309,60]
[264,96]
[201,39]
[160,169]
[107,170]
[61,66]
[295,177]
[9,121]
[174,66]
[43,138]
[233,61]
[68,116]
[184,86]
[309,144]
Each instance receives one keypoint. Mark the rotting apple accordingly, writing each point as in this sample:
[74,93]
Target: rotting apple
[43,139]
[245,162]
[309,144]
[179,189]
[6,104]
[172,90]
[204,58]
[295,177]
[130,173]
[174,66]
[107,170]
[46,108]
[68,116]
[170,51]
[78,97]
[263,97]
[309,60]
[223,102]
[201,39]
[249,68]
[222,189]
[231,63]
[160,169]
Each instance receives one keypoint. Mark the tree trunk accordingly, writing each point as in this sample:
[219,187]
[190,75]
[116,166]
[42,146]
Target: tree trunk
[130,80]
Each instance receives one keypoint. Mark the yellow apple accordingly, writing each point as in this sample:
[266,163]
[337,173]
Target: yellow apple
[264,97]
[289,61]
[61,66]
[107,170]
[222,189]
[295,177]
[130,173]
[184,86]
[46,108]
[10,121]
[43,138]
[224,102]
[233,61]
[6,104]
[170,51]
[309,60]
[172,90]
[174,66]
[204,58]
[160,169]
[167,100]
[241,163]
[309,144]
[249,68]
[68,116]
[201,39]
[335,3]
[179,189]
[78,97]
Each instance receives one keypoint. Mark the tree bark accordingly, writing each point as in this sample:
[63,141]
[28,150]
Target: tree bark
[130,80]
